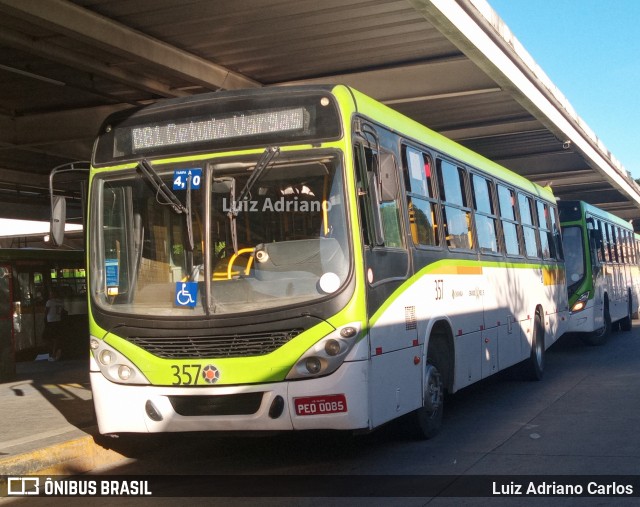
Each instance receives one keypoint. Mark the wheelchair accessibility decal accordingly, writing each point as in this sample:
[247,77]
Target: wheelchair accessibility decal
[186,294]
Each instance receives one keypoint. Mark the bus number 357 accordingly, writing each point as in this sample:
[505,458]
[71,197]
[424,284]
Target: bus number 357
[187,374]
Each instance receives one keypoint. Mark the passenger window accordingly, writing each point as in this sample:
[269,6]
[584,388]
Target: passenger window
[418,174]
[455,211]
[614,244]
[507,203]
[546,237]
[451,183]
[608,251]
[629,257]
[420,197]
[528,229]
[557,235]
[485,214]
[602,251]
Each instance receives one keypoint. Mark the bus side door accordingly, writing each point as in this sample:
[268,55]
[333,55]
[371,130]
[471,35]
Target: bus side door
[395,382]
[30,299]
[7,352]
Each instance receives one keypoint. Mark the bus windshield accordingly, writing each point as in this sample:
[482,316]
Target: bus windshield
[283,243]
[572,244]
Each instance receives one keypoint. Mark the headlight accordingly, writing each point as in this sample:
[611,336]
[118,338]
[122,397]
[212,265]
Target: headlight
[332,347]
[106,357]
[581,303]
[326,355]
[114,365]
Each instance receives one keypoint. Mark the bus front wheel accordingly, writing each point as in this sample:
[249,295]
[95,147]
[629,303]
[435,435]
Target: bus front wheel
[600,336]
[427,420]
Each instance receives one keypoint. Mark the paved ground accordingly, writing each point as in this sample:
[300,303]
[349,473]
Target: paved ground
[582,419]
[47,422]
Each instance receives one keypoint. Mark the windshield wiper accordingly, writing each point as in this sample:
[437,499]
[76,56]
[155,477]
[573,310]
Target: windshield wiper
[263,162]
[169,198]
[161,189]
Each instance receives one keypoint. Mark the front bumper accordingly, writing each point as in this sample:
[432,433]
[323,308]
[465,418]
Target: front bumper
[124,408]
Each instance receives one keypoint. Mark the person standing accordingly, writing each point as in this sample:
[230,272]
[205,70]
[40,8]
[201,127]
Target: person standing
[53,312]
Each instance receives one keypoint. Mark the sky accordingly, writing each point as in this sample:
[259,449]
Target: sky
[590,50]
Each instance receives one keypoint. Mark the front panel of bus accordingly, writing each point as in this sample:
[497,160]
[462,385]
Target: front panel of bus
[223,277]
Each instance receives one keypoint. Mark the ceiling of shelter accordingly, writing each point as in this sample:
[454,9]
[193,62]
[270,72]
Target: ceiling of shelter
[66,64]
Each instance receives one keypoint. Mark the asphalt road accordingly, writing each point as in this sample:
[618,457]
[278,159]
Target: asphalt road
[580,420]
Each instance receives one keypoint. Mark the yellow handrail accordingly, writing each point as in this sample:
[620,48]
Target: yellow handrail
[233,258]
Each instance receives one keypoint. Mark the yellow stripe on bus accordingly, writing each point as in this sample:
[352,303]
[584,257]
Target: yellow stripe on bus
[458,270]
[553,275]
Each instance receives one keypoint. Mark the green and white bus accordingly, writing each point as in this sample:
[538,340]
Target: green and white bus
[602,270]
[306,258]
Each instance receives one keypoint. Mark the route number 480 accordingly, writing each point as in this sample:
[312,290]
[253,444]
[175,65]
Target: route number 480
[181,176]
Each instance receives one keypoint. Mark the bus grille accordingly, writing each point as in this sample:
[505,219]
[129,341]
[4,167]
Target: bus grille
[230,404]
[209,347]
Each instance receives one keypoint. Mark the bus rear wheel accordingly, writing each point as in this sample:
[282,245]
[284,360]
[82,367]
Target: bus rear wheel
[534,366]
[625,323]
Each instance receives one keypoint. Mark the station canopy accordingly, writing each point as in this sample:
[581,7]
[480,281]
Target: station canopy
[450,64]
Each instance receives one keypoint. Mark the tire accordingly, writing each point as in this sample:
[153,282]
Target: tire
[427,420]
[534,366]
[625,324]
[600,336]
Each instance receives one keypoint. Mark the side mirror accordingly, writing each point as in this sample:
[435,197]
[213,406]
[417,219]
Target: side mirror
[388,179]
[58,219]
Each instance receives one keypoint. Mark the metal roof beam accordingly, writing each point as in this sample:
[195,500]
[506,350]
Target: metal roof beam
[67,135]
[13,178]
[48,51]
[492,130]
[82,24]
[53,128]
[411,83]
[476,30]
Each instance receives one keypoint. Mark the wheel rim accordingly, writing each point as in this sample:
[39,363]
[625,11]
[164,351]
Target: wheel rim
[599,333]
[433,389]
[539,346]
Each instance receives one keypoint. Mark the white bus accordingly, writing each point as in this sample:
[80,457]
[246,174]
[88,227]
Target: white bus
[306,258]
[602,270]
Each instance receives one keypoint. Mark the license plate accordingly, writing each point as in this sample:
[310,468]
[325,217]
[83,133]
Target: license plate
[315,405]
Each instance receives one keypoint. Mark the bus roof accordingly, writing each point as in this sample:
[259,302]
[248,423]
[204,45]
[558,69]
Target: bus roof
[350,100]
[413,130]
[595,211]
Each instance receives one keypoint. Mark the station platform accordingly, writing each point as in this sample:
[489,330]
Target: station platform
[47,422]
